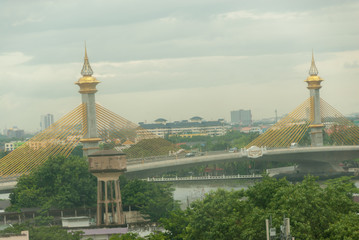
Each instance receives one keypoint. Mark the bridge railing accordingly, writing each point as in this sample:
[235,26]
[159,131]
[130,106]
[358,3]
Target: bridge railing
[133,161]
[202,178]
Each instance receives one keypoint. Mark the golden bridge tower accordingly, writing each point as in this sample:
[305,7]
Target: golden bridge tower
[316,127]
[88,89]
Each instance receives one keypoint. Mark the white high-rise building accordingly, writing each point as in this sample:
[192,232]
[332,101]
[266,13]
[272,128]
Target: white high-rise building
[46,121]
[242,117]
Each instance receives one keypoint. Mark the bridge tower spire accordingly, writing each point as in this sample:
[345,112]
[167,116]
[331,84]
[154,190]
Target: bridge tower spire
[316,126]
[87,84]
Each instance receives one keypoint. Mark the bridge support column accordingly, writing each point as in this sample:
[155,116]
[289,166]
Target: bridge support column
[316,136]
[88,89]
[315,167]
[316,133]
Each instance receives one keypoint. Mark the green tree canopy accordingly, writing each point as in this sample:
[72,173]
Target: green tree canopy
[60,182]
[152,199]
[66,183]
[315,211]
[42,232]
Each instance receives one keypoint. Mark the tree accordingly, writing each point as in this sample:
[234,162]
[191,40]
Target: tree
[315,212]
[135,236]
[218,216]
[77,151]
[312,208]
[153,199]
[60,182]
[66,183]
[43,232]
[262,193]
[3,154]
[127,236]
[347,227]
[176,224]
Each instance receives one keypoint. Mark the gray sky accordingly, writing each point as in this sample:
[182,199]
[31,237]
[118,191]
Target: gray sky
[175,59]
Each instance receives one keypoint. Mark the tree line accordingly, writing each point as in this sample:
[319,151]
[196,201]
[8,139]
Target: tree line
[316,210]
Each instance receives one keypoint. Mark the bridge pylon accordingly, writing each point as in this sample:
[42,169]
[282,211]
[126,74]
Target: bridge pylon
[316,126]
[314,117]
[89,123]
[88,89]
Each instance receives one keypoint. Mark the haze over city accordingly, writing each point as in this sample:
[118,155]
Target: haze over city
[175,59]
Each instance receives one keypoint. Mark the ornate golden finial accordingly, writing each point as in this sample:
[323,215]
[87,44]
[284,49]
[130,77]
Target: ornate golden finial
[313,80]
[86,69]
[313,71]
[87,83]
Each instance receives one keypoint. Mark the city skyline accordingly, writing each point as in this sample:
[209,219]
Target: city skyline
[176,61]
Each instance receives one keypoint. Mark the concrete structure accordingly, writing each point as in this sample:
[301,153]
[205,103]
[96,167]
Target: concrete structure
[195,127]
[77,216]
[46,121]
[316,128]
[202,178]
[160,121]
[242,117]
[101,233]
[88,89]
[24,235]
[73,222]
[282,170]
[15,132]
[12,145]
[308,159]
[107,166]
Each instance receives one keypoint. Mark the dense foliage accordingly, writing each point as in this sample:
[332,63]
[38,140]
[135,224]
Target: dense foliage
[215,143]
[150,147]
[42,232]
[66,183]
[152,199]
[328,140]
[60,182]
[315,212]
[3,154]
[325,212]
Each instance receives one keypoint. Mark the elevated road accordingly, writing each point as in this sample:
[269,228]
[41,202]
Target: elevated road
[309,159]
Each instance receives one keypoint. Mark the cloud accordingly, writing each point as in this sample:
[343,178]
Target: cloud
[13,58]
[253,15]
[168,19]
[176,57]
[30,19]
[353,64]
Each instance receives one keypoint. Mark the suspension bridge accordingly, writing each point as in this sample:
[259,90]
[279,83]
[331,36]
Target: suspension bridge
[90,123]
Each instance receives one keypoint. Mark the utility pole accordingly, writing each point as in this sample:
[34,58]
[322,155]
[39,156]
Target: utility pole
[285,230]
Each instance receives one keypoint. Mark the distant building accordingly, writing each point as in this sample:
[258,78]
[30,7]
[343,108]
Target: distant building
[15,133]
[46,121]
[12,146]
[241,117]
[100,233]
[24,235]
[195,127]
[251,130]
[161,121]
[196,119]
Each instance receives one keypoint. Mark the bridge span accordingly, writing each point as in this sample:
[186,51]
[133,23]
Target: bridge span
[308,159]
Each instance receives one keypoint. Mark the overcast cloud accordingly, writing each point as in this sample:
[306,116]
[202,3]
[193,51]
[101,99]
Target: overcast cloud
[175,59]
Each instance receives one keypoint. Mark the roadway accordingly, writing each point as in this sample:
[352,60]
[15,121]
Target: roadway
[310,159]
